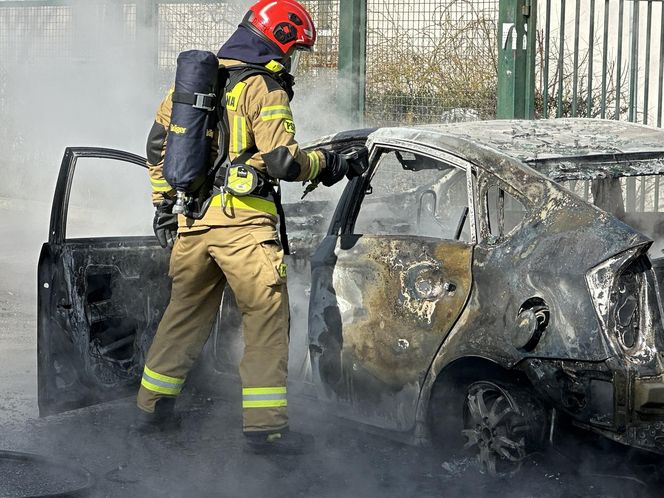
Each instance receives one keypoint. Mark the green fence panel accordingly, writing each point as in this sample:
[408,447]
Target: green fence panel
[429,61]
[601,58]
[516,68]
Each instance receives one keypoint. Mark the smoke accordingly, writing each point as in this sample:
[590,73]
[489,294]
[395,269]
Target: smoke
[95,85]
[91,85]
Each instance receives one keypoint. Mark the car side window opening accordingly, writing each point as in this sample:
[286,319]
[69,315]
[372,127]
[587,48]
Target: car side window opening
[504,211]
[109,198]
[620,196]
[413,194]
[636,200]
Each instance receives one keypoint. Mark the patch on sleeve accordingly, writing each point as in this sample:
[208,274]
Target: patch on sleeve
[290,126]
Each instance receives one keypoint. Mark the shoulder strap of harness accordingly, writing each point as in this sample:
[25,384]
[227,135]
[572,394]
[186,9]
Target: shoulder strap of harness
[228,78]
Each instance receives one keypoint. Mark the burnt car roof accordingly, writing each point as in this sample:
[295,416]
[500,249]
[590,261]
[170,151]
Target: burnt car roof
[562,149]
[538,140]
[571,148]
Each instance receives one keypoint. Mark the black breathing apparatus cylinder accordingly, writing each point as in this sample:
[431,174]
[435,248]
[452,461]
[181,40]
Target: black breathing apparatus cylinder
[190,135]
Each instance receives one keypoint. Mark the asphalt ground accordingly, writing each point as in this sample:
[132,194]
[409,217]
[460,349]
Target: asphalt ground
[207,458]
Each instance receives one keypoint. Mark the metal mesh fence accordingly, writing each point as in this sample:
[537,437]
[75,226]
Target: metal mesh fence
[324,61]
[426,61]
[207,25]
[51,53]
[21,25]
[601,58]
[430,61]
[184,26]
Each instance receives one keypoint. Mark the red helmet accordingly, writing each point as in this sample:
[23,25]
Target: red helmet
[285,23]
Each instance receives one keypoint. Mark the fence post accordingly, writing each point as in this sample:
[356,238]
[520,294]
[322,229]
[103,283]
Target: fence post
[147,35]
[352,57]
[516,59]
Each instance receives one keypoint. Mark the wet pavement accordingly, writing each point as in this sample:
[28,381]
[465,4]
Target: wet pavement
[207,457]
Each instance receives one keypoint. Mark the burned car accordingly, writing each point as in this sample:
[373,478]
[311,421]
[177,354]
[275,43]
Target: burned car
[477,283]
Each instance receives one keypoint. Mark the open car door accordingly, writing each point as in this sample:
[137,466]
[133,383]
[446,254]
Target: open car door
[389,282]
[102,281]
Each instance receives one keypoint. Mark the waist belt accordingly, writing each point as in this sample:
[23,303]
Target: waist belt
[250,202]
[261,199]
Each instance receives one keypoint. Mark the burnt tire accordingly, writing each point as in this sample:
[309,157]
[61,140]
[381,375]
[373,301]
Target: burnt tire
[502,424]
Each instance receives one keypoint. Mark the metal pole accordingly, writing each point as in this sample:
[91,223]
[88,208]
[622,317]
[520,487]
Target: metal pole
[547,51]
[646,83]
[561,58]
[530,12]
[575,69]
[605,56]
[634,64]
[591,47]
[516,59]
[661,70]
[352,57]
[621,11]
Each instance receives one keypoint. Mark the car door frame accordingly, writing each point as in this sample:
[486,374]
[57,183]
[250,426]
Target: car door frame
[346,214]
[55,321]
[343,221]
[57,232]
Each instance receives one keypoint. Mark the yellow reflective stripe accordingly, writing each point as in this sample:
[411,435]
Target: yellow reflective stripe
[239,135]
[265,404]
[160,389]
[264,397]
[246,202]
[160,185]
[270,108]
[264,390]
[273,117]
[271,112]
[162,377]
[314,163]
[274,66]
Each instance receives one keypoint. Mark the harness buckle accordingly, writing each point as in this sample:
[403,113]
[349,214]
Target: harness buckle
[204,101]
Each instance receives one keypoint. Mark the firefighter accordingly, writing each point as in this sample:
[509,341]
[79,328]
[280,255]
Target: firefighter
[236,242]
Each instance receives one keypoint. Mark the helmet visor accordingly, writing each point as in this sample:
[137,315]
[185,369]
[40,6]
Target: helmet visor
[294,62]
[294,59]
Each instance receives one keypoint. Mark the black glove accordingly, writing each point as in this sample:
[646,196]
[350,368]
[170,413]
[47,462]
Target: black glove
[358,162]
[165,223]
[336,167]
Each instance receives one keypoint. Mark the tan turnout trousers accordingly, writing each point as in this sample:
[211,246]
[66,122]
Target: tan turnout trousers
[250,260]
[236,244]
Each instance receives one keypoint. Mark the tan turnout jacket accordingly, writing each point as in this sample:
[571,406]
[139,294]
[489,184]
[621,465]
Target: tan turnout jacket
[259,115]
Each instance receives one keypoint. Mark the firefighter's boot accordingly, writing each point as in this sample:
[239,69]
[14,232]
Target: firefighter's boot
[163,419]
[282,442]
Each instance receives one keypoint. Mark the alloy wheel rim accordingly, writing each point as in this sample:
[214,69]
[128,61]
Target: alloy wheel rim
[495,428]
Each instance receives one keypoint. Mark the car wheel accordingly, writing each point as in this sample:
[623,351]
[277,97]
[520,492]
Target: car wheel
[502,424]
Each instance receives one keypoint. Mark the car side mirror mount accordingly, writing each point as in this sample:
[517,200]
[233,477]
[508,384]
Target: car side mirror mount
[492,240]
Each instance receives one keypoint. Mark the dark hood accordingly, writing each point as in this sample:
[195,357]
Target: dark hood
[246,46]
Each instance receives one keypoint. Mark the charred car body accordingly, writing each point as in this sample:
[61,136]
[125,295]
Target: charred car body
[478,279]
